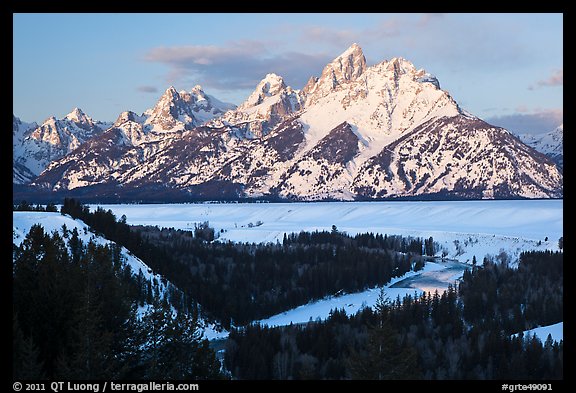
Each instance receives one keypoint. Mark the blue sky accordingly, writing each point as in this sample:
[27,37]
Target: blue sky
[505,68]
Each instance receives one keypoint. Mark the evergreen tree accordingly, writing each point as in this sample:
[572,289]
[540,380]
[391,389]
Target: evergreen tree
[383,357]
[26,363]
[172,346]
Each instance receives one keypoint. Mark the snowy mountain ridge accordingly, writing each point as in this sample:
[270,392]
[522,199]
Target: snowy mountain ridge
[35,147]
[551,144]
[268,105]
[177,111]
[355,132]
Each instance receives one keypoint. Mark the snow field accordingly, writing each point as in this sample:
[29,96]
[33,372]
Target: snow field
[462,228]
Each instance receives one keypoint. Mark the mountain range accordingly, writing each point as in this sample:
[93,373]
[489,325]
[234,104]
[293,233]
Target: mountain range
[356,132]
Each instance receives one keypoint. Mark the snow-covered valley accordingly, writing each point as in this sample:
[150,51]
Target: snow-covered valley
[462,229]
[407,284]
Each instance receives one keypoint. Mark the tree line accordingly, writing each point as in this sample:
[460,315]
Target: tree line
[25,206]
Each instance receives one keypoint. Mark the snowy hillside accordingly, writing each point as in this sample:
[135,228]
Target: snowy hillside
[556,331]
[23,221]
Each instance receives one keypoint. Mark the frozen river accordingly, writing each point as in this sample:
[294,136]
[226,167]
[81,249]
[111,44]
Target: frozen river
[434,280]
[435,276]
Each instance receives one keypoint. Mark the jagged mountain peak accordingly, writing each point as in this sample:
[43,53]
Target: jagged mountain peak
[67,133]
[177,111]
[271,102]
[50,120]
[78,116]
[271,85]
[195,96]
[170,91]
[125,117]
[171,113]
[197,88]
[399,66]
[550,144]
[347,67]
[170,97]
[20,128]
[275,82]
[352,49]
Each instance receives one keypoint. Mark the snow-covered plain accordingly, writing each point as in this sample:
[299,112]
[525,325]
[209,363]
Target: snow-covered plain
[462,228]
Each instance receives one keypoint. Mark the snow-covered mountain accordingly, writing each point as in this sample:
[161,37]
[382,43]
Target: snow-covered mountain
[270,103]
[355,132]
[176,111]
[462,156]
[20,172]
[550,144]
[34,146]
